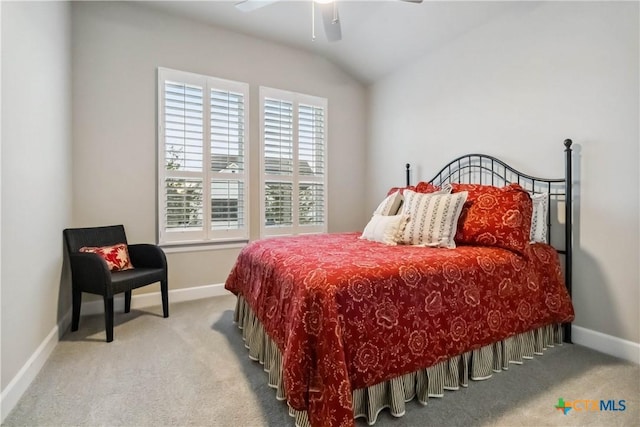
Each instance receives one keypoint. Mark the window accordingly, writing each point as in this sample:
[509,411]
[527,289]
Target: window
[293,163]
[202,158]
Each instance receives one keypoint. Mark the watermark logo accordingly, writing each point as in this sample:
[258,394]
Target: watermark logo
[589,405]
[562,406]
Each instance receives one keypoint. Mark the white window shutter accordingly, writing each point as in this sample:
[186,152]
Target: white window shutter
[203,158]
[293,163]
[311,165]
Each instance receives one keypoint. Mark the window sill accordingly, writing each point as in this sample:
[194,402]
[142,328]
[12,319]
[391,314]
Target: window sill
[171,248]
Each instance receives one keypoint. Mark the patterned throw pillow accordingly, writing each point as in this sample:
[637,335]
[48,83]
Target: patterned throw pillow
[390,205]
[538,232]
[495,216]
[384,228]
[432,218]
[400,189]
[116,256]
[423,187]
[427,187]
[475,190]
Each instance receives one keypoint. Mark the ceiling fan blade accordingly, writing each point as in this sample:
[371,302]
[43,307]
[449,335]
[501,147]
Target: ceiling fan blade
[412,1]
[251,5]
[331,21]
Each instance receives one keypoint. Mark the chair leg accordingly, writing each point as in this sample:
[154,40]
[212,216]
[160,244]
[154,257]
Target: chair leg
[108,317]
[127,301]
[76,301]
[164,289]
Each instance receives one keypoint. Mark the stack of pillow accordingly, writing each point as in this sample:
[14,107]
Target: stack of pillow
[468,214]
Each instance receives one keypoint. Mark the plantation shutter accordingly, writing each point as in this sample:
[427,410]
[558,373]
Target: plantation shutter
[278,163]
[228,168]
[311,160]
[293,163]
[203,190]
[183,159]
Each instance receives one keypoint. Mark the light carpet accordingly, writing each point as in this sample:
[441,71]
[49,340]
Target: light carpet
[192,369]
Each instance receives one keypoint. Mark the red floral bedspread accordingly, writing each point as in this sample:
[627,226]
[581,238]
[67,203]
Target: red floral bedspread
[348,313]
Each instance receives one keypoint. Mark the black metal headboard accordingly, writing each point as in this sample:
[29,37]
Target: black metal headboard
[484,169]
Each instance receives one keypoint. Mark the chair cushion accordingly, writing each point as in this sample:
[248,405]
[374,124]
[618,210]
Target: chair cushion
[116,256]
[131,279]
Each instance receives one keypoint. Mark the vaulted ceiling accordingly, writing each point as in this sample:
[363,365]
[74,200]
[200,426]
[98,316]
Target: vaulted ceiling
[378,37]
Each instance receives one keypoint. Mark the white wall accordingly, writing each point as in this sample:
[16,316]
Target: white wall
[36,175]
[116,50]
[516,88]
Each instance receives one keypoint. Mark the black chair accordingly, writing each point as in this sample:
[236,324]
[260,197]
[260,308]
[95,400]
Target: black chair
[89,272]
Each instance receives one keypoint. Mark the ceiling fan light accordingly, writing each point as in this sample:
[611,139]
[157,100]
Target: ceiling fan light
[323,1]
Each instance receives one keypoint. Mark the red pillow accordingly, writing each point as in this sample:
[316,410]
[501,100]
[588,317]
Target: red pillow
[422,187]
[426,187]
[494,216]
[116,256]
[400,189]
[475,190]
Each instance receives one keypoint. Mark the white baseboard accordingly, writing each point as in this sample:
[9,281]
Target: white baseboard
[607,344]
[19,384]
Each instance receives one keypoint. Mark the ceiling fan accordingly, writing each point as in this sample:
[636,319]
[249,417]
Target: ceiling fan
[328,9]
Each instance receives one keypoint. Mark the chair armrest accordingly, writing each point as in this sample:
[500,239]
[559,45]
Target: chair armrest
[89,272]
[147,256]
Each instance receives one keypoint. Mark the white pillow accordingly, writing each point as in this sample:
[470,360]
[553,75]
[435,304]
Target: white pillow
[390,205]
[384,228]
[538,231]
[445,188]
[433,218]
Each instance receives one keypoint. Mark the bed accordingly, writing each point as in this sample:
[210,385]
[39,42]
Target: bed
[346,326]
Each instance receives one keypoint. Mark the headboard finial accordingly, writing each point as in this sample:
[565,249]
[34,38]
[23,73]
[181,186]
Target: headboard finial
[408,173]
[567,143]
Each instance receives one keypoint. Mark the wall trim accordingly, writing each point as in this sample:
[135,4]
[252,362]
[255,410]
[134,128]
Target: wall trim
[608,344]
[20,383]
[177,248]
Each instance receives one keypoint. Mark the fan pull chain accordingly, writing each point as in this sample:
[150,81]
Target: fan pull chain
[335,12]
[313,21]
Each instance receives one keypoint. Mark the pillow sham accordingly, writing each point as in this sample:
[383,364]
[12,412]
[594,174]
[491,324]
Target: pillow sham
[384,228]
[116,256]
[423,187]
[475,190]
[427,187]
[538,232]
[432,218]
[493,216]
[390,205]
[400,189]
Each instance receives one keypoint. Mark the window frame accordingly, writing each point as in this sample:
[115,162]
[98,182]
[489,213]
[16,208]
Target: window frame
[295,178]
[205,235]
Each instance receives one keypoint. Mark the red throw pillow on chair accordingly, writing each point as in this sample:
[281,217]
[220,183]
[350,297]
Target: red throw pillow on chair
[116,256]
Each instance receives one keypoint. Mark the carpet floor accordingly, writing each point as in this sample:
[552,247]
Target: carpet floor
[192,369]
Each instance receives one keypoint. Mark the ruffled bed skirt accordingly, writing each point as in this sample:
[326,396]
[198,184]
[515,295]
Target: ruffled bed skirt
[450,374]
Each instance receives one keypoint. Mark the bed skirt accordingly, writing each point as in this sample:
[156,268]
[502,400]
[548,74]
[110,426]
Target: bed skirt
[450,374]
